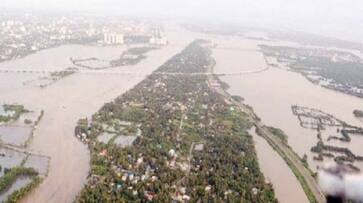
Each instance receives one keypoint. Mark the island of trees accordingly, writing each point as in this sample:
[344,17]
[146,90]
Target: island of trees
[188,143]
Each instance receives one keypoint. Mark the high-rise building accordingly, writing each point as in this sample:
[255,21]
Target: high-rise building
[158,38]
[113,38]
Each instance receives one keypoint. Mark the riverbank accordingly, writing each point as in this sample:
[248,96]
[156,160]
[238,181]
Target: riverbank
[73,97]
[174,114]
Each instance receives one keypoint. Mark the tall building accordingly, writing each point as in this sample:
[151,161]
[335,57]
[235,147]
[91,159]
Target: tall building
[158,38]
[113,38]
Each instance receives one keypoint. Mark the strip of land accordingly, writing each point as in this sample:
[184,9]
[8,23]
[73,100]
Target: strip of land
[190,143]
[303,174]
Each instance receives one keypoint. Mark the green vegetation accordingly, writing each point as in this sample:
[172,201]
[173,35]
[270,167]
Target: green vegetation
[237,98]
[12,174]
[346,154]
[131,56]
[341,71]
[358,113]
[61,74]
[278,133]
[174,113]
[19,194]
[310,195]
[15,110]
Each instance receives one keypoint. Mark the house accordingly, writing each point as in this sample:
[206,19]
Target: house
[149,195]
[103,152]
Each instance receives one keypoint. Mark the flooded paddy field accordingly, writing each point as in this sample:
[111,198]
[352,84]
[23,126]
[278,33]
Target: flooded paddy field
[19,131]
[15,135]
[17,185]
[11,158]
[66,101]
[38,162]
[273,92]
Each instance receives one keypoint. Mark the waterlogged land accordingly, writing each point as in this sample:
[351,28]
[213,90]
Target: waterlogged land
[337,70]
[274,91]
[64,102]
[131,56]
[20,171]
[192,144]
[270,91]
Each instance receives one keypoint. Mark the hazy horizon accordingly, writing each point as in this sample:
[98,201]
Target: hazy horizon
[181,101]
[333,18]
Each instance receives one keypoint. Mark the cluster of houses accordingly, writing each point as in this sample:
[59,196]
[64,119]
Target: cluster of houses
[170,107]
[23,34]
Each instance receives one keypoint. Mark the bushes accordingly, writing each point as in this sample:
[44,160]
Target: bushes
[358,113]
[17,109]
[279,133]
[12,174]
[19,194]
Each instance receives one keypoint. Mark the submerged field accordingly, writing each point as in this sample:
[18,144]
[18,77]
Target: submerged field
[65,101]
[20,171]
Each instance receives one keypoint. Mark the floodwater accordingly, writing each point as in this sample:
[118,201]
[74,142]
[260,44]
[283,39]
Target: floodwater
[66,101]
[32,116]
[14,135]
[271,93]
[280,174]
[59,58]
[9,159]
[39,163]
[19,183]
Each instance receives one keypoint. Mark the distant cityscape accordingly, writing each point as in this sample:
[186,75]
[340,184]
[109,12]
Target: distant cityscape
[25,34]
[116,109]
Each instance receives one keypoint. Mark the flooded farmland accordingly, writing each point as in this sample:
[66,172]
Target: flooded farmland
[274,91]
[10,158]
[71,98]
[18,184]
[15,135]
[270,92]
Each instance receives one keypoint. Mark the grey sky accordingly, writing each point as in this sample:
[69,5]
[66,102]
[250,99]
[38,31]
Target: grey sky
[337,18]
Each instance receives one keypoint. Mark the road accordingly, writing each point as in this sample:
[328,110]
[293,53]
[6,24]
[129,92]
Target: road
[127,73]
[275,142]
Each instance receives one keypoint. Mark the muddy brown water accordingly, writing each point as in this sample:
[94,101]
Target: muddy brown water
[19,183]
[15,135]
[277,172]
[272,93]
[74,97]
